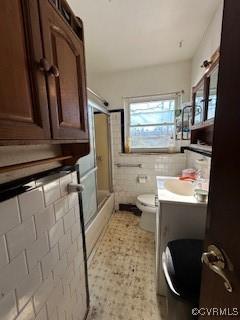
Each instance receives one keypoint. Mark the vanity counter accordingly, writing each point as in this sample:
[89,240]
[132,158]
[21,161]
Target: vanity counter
[166,196]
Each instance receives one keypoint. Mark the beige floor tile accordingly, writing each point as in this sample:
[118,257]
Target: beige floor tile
[121,274]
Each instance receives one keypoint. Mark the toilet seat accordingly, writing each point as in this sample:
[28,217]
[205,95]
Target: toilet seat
[147,200]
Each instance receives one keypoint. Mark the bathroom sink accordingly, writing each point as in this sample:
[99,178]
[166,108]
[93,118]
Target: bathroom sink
[182,188]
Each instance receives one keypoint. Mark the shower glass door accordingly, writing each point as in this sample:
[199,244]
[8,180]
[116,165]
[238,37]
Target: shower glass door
[88,171]
[95,168]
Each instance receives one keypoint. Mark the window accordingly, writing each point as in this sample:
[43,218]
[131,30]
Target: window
[150,123]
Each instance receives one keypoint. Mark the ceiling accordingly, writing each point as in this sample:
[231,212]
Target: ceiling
[126,34]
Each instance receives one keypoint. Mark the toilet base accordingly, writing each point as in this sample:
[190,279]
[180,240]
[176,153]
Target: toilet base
[148,221]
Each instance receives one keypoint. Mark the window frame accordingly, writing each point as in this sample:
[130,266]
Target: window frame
[129,101]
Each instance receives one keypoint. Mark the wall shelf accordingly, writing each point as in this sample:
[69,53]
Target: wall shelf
[200,151]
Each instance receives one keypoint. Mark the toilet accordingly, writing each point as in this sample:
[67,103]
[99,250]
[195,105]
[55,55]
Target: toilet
[146,203]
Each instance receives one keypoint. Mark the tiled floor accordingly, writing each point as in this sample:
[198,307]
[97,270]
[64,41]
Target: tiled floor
[121,274]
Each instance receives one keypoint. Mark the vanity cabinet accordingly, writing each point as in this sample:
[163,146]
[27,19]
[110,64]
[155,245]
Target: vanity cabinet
[43,80]
[174,221]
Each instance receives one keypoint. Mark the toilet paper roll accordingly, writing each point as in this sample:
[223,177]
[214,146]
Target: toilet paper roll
[142,179]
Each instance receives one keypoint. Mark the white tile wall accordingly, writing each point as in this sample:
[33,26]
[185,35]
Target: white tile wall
[9,215]
[8,307]
[41,255]
[25,202]
[126,186]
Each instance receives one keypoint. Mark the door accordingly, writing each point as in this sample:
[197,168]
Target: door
[24,105]
[64,52]
[224,205]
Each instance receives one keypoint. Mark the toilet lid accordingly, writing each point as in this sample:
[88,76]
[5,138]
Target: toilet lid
[147,200]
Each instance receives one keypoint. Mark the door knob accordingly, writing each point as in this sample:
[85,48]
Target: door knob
[216,261]
[54,71]
[45,66]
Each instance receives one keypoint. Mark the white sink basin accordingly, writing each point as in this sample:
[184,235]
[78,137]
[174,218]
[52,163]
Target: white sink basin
[182,188]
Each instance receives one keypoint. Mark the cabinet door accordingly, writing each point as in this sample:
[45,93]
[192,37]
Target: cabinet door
[199,104]
[23,95]
[212,94]
[66,83]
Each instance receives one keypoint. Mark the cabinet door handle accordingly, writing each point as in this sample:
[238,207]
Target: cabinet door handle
[45,66]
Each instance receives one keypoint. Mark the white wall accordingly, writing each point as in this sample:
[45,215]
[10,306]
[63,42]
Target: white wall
[208,45]
[143,81]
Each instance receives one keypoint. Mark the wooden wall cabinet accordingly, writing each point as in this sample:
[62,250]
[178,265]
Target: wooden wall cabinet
[23,95]
[205,94]
[204,104]
[42,73]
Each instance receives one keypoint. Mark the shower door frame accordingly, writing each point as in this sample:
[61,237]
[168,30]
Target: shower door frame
[107,113]
[95,107]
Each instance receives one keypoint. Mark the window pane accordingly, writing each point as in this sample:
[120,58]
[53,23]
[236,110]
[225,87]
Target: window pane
[151,137]
[154,112]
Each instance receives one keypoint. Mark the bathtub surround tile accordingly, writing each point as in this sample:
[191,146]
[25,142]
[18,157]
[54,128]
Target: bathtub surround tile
[122,274]
[51,192]
[37,250]
[64,182]
[42,315]
[27,313]
[31,203]
[60,268]
[21,237]
[8,307]
[44,220]
[42,294]
[54,298]
[55,233]
[61,208]
[72,200]
[12,274]
[49,262]
[3,252]
[28,286]
[69,220]
[39,259]
[9,215]
[64,243]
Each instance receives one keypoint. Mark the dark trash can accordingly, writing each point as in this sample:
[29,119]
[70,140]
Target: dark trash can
[182,267]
